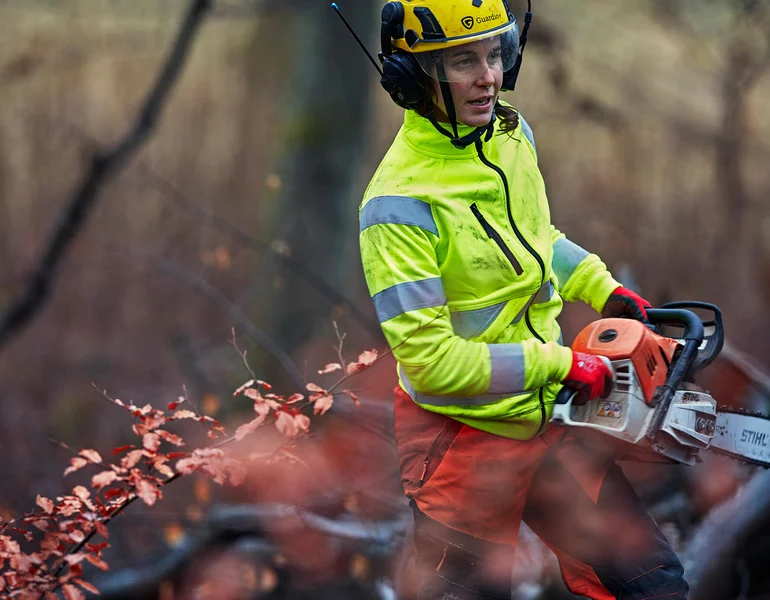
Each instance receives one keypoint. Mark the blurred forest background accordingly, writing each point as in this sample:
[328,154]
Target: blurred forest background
[653,132]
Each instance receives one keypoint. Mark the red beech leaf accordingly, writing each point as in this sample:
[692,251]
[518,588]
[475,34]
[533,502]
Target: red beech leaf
[96,548]
[246,385]
[315,388]
[367,357]
[81,492]
[175,455]
[147,492]
[286,424]
[77,536]
[97,562]
[264,384]
[170,437]
[77,463]
[302,421]
[353,397]
[73,559]
[184,414]
[154,420]
[164,469]
[102,530]
[323,404]
[249,427]
[140,429]
[87,586]
[354,367]
[91,455]
[114,493]
[151,442]
[253,394]
[330,368]
[129,460]
[103,479]
[294,398]
[71,592]
[173,405]
[45,504]
[120,449]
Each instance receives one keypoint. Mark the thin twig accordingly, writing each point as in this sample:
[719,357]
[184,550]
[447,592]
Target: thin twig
[290,264]
[104,164]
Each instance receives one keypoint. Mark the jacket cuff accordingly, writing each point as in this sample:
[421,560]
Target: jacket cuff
[545,363]
[592,283]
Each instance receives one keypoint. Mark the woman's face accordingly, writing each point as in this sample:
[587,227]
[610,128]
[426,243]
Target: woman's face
[475,74]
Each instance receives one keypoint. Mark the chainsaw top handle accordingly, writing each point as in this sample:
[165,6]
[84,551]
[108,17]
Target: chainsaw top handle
[714,333]
[694,332]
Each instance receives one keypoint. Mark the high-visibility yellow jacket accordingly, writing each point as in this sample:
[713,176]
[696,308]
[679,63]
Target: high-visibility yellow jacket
[467,276]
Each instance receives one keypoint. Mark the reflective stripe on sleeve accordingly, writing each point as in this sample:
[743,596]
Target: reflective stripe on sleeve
[398,210]
[566,258]
[410,295]
[428,400]
[507,369]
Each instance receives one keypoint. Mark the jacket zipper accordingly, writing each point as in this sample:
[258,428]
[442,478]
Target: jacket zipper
[494,235]
[531,250]
[540,391]
[524,242]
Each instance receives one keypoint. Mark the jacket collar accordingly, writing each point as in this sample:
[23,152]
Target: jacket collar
[423,137]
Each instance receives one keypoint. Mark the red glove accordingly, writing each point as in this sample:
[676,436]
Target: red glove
[589,377]
[626,303]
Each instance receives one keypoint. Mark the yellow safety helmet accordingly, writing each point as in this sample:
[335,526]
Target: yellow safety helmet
[426,29]
[439,24]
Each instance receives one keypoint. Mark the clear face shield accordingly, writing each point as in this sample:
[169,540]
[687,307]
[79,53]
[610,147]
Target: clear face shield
[470,61]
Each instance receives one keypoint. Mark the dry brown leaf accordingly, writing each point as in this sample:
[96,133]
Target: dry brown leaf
[91,455]
[45,504]
[330,368]
[323,404]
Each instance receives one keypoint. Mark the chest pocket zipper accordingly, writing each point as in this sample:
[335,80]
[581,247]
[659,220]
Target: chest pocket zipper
[495,236]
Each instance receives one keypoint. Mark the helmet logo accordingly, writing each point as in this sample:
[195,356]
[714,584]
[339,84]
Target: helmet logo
[467,22]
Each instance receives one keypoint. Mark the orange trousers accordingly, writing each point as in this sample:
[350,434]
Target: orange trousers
[470,490]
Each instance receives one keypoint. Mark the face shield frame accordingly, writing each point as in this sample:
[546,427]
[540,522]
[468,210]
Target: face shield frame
[467,58]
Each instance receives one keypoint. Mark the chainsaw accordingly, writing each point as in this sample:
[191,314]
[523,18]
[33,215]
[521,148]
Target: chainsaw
[655,412]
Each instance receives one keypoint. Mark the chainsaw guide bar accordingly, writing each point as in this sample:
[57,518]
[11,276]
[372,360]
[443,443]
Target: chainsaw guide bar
[743,436]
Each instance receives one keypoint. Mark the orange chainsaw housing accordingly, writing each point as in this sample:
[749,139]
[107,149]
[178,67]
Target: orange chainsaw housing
[627,339]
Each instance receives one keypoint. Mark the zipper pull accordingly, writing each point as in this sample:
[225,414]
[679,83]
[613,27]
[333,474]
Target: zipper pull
[484,224]
[424,471]
[495,237]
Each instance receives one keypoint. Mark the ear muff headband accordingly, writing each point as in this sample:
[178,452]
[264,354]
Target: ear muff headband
[402,76]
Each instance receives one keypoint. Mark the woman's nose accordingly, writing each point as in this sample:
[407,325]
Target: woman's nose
[486,78]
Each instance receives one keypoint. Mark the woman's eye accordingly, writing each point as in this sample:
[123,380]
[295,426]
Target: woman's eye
[463,62]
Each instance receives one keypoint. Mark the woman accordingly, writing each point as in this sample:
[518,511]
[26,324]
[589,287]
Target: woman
[468,275]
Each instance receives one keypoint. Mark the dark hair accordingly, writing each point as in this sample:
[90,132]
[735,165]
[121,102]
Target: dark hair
[509,118]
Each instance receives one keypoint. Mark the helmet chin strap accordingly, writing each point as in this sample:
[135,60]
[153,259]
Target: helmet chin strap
[458,142]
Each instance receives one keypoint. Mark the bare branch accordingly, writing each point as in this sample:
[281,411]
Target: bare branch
[104,164]
[229,524]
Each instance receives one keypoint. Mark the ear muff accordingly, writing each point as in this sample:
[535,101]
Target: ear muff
[401,77]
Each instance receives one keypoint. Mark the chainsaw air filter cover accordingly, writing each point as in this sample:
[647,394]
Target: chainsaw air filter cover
[627,339]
